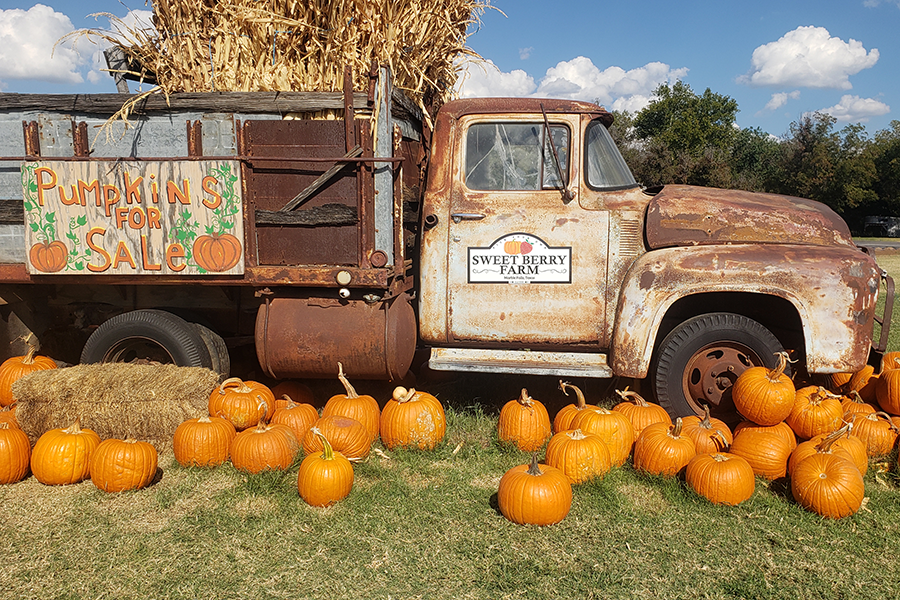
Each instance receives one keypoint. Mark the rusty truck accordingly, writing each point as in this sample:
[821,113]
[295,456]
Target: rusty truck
[499,236]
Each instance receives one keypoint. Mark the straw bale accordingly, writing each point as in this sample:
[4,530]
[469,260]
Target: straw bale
[146,402]
[285,45]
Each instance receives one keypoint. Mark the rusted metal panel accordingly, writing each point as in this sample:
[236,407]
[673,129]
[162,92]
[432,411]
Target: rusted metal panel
[682,215]
[306,337]
[557,364]
[457,109]
[832,288]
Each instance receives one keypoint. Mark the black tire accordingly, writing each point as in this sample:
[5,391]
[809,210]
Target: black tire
[218,351]
[697,363]
[152,335]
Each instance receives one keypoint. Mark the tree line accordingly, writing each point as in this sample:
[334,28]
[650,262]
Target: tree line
[689,138]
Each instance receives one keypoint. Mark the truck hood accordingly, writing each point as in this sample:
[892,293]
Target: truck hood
[683,215]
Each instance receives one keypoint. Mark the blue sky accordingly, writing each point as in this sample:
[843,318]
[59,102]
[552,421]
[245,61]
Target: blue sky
[777,59]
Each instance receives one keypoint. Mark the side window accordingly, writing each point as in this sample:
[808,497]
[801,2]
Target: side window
[514,156]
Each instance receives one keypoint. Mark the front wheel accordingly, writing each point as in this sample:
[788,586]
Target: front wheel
[699,361]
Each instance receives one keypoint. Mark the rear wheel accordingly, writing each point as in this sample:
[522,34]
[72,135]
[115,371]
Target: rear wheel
[699,361]
[147,335]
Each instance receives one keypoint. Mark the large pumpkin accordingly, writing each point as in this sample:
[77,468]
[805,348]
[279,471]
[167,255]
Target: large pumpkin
[347,436]
[203,442]
[264,447]
[710,435]
[63,456]
[564,416]
[324,477]
[764,396]
[661,449]
[614,429]
[815,411]
[580,456]
[15,454]
[119,465]
[534,494]
[828,485]
[244,403]
[721,477]
[640,412]
[217,252]
[766,451]
[524,422]
[412,419]
[363,408]
[17,367]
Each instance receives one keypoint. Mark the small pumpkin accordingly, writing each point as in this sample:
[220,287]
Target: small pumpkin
[412,419]
[15,454]
[63,456]
[324,477]
[580,456]
[119,465]
[534,494]
[764,396]
[877,431]
[524,422]
[661,449]
[17,367]
[614,429]
[563,419]
[815,411]
[363,408]
[299,417]
[203,442]
[767,451]
[268,446]
[828,485]
[721,477]
[709,433]
[640,412]
[244,403]
[347,436]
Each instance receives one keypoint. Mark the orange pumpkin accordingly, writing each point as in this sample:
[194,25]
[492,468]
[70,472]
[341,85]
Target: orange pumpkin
[49,257]
[347,436]
[839,382]
[15,454]
[865,382]
[412,419]
[295,391]
[534,494]
[614,429]
[838,442]
[203,442]
[363,408]
[887,391]
[8,415]
[63,456]
[815,411]
[563,419]
[244,403]
[580,456]
[662,450]
[264,447]
[17,367]
[325,477]
[710,435]
[764,396]
[299,417]
[877,431]
[640,412]
[853,403]
[119,465]
[721,477]
[766,451]
[217,252]
[524,422]
[783,430]
[828,485]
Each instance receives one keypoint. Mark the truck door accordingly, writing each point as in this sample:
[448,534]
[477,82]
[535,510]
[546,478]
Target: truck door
[527,264]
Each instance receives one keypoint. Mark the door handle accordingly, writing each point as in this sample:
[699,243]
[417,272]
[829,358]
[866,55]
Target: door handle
[457,217]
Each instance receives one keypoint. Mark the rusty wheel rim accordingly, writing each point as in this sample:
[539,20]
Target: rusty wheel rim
[710,373]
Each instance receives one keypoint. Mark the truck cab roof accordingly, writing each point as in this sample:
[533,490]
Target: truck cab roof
[472,106]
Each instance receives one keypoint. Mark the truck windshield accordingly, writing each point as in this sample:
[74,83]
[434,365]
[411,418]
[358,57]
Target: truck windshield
[604,167]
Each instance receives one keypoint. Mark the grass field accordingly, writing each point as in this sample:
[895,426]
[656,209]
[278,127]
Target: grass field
[426,525]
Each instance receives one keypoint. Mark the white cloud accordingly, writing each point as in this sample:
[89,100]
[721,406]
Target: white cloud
[780,99]
[525,53]
[26,46]
[856,109]
[576,79]
[874,3]
[808,57]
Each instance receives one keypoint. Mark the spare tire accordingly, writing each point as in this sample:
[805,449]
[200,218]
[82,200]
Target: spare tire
[147,335]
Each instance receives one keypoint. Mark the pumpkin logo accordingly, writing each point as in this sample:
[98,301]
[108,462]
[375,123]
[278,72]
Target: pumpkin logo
[217,252]
[512,247]
[49,257]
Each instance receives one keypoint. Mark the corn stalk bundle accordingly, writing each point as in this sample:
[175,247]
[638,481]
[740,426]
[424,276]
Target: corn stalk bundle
[293,45]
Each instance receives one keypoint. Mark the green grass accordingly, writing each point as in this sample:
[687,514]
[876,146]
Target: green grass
[426,525]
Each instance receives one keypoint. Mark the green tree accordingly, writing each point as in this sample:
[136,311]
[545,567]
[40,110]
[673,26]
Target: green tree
[885,154]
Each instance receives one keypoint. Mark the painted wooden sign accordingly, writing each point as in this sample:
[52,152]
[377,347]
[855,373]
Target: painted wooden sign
[133,218]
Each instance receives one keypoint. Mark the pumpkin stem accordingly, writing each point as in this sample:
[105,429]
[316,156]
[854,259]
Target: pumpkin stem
[533,468]
[720,441]
[290,403]
[204,419]
[351,393]
[236,382]
[632,396]
[887,418]
[576,434]
[262,426]
[775,374]
[328,451]
[401,394]
[524,399]
[705,423]
[28,359]
[580,403]
[4,425]
[824,446]
[675,432]
[74,428]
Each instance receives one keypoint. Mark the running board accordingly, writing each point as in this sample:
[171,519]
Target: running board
[523,362]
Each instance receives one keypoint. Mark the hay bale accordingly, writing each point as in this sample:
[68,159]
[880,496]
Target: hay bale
[146,402]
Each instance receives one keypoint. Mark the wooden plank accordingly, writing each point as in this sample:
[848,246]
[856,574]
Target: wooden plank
[322,180]
[320,216]
[12,211]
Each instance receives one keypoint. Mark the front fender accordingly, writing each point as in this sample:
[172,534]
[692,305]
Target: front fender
[833,289]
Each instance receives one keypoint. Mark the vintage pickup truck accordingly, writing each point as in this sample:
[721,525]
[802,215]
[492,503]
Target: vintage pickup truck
[506,235]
